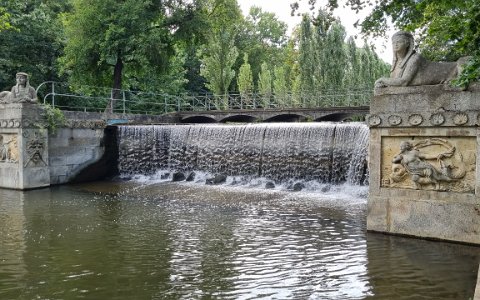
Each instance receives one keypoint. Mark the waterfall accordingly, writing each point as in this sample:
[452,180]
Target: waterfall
[281,152]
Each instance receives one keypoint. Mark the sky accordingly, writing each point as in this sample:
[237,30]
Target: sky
[281,8]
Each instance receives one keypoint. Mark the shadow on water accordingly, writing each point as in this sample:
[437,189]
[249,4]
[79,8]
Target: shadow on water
[124,240]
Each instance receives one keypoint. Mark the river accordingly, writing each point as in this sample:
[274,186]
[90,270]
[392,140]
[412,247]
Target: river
[159,240]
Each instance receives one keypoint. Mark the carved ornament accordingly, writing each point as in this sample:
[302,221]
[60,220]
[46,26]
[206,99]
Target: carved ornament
[437,119]
[415,119]
[394,120]
[430,164]
[10,123]
[35,149]
[418,120]
[374,120]
[9,151]
[460,119]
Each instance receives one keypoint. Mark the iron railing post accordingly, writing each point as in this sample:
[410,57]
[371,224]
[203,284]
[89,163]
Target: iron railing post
[123,95]
[165,102]
[53,94]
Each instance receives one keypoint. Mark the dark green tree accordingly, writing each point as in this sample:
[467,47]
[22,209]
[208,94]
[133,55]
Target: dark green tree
[220,53]
[280,89]
[245,80]
[265,84]
[263,37]
[30,39]
[218,60]
[306,57]
[127,44]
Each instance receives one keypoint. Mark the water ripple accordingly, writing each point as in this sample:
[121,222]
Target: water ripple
[162,242]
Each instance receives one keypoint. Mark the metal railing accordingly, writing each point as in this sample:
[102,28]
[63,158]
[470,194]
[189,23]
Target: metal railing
[97,99]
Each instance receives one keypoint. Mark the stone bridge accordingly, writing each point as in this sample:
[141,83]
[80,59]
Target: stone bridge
[335,114]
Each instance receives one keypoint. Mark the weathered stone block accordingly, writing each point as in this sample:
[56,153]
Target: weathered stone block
[424,149]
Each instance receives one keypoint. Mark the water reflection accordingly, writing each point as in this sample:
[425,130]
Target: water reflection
[12,243]
[404,268]
[165,241]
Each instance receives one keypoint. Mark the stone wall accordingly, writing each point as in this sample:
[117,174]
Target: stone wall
[84,150]
[424,171]
[33,156]
[73,149]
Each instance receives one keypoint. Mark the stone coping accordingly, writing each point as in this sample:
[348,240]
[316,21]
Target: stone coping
[424,89]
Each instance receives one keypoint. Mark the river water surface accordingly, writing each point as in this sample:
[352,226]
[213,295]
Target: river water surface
[127,240]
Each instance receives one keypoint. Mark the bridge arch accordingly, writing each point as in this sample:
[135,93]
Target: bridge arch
[198,119]
[286,118]
[339,117]
[239,119]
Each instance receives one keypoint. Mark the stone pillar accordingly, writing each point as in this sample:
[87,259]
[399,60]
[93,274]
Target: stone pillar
[23,147]
[424,171]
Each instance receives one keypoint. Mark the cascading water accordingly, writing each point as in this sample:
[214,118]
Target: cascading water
[331,153]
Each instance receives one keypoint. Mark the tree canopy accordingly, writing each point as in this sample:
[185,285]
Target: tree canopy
[176,46]
[446,29]
[30,39]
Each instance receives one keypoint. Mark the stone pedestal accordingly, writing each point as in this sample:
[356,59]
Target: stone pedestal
[23,147]
[424,169]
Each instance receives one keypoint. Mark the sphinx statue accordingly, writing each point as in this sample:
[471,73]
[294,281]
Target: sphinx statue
[22,92]
[410,68]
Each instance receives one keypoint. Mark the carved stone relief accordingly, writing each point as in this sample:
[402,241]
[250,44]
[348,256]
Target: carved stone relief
[35,149]
[394,120]
[446,119]
[440,164]
[9,151]
[415,119]
[460,119]
[437,119]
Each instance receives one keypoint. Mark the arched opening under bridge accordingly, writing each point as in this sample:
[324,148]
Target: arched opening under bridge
[239,119]
[198,119]
[287,118]
[341,117]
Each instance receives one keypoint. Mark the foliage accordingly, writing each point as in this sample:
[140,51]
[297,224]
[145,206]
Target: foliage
[280,88]
[265,84]
[108,41]
[327,64]
[218,60]
[263,37]
[54,117]
[245,80]
[4,20]
[306,59]
[446,29]
[130,45]
[219,54]
[334,57]
[34,42]
[103,48]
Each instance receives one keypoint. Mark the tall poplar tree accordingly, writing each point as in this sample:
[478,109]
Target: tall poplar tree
[245,80]
[217,62]
[280,86]
[220,53]
[306,59]
[265,84]
[335,57]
